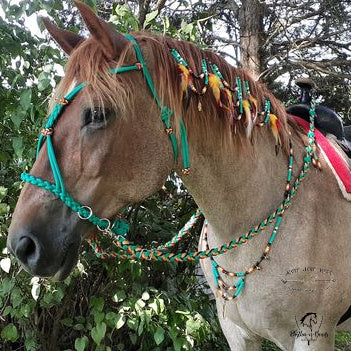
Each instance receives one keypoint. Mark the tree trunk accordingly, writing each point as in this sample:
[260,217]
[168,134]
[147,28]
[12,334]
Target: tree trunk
[252,35]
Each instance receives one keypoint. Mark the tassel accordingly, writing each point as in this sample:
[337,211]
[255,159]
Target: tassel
[275,128]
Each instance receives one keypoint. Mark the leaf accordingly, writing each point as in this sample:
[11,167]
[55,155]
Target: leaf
[25,99]
[17,144]
[140,304]
[159,335]
[35,290]
[149,17]
[120,321]
[119,296]
[97,303]
[98,333]
[81,343]
[99,317]
[5,264]
[133,323]
[145,296]
[9,333]
[4,209]
[3,192]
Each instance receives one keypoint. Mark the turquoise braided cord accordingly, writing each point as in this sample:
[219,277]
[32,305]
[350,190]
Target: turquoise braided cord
[151,85]
[119,227]
[166,113]
[184,144]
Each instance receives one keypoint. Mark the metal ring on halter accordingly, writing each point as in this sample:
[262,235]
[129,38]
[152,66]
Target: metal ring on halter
[88,216]
[107,229]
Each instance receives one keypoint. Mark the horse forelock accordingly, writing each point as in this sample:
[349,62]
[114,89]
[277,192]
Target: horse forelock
[88,64]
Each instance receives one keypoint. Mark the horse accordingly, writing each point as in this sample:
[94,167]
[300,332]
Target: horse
[108,149]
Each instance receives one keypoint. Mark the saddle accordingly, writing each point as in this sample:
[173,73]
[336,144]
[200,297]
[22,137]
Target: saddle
[327,121]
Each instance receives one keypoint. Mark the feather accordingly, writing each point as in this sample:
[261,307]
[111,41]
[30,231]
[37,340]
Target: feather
[185,78]
[229,103]
[254,108]
[215,83]
[248,118]
[275,128]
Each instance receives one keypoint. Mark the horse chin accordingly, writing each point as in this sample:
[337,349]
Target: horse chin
[68,263]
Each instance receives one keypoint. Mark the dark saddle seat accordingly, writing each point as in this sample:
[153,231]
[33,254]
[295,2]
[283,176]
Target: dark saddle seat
[327,121]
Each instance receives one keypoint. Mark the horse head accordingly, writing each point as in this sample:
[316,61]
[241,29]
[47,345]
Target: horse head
[108,142]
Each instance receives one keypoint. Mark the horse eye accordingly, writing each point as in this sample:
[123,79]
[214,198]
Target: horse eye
[95,116]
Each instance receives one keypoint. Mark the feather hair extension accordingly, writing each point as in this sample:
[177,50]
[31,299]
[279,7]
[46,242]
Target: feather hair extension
[275,128]
[254,108]
[216,84]
[185,78]
[248,117]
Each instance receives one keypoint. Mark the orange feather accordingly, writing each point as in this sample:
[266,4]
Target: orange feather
[215,83]
[274,126]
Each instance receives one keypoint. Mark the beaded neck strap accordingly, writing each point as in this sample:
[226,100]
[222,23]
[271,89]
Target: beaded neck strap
[119,226]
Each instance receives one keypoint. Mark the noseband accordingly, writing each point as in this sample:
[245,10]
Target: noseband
[119,227]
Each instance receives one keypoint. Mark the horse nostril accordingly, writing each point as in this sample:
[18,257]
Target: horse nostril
[25,249]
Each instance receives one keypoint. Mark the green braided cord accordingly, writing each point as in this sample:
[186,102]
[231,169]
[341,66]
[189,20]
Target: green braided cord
[184,144]
[60,186]
[267,110]
[204,70]
[178,58]
[166,113]
[119,228]
[240,286]
[157,99]
[240,94]
[247,87]
[146,72]
[216,71]
[124,69]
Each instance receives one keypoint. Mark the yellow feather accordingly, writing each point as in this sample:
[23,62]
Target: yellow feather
[185,74]
[274,120]
[215,84]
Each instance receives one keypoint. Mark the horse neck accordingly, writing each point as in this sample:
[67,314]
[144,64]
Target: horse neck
[236,189]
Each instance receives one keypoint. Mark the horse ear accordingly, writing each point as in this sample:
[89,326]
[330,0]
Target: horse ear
[66,40]
[110,39]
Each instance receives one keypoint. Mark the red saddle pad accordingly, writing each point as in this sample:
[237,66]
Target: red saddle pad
[339,166]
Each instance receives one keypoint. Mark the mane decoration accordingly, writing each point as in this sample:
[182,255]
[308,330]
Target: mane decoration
[223,93]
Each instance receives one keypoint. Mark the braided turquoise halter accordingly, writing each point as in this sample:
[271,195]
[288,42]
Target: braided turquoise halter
[119,227]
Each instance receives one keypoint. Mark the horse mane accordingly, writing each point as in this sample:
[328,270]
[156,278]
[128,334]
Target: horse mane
[88,64]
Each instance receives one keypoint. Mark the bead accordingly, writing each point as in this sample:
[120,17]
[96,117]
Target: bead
[47,131]
[250,270]
[169,131]
[61,101]
[139,65]
[186,171]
